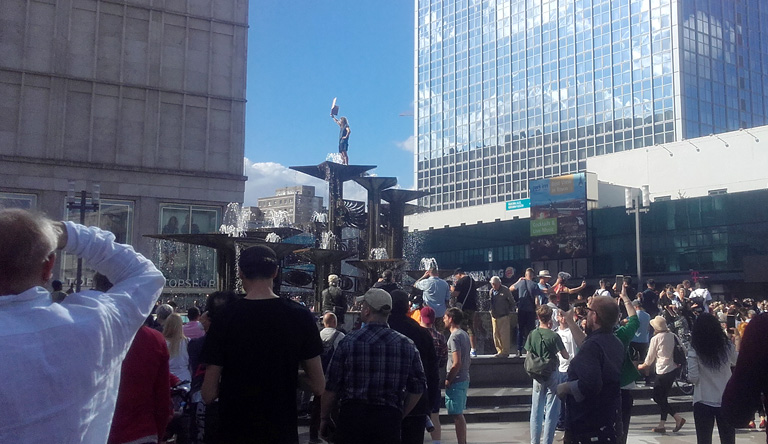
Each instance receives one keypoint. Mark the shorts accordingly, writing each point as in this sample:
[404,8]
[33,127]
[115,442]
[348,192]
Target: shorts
[468,321]
[456,398]
[343,146]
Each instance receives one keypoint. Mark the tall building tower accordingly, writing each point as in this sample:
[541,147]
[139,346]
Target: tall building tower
[510,91]
[145,98]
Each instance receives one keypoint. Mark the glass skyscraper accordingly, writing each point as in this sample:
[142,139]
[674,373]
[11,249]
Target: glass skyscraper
[515,90]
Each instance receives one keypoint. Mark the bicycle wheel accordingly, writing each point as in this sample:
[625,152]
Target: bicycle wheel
[684,386]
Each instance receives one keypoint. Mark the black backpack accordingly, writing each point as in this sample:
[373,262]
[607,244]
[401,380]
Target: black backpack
[679,353]
[328,349]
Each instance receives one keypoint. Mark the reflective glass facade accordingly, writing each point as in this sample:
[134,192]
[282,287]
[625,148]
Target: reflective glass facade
[717,236]
[724,63]
[514,90]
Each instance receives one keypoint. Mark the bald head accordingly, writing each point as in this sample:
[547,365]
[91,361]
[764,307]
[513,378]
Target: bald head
[606,311]
[27,244]
[329,320]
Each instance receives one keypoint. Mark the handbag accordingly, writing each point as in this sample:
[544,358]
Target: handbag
[538,367]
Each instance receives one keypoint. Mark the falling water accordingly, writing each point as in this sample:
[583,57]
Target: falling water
[278,218]
[328,241]
[334,157]
[427,263]
[274,238]
[235,221]
[319,217]
[378,253]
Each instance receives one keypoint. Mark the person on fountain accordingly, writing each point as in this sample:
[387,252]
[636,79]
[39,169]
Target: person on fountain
[344,133]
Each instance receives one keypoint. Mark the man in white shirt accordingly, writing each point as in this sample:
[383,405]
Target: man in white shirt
[61,362]
[701,297]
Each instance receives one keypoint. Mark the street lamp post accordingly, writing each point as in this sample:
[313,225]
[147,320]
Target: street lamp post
[83,207]
[637,203]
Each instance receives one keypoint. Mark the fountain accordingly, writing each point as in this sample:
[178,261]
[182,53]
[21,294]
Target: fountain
[428,262]
[425,264]
[232,237]
[273,238]
[335,174]
[278,218]
[327,241]
[335,158]
[378,254]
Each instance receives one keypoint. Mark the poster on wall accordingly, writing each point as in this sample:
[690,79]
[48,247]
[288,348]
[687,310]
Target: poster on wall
[559,217]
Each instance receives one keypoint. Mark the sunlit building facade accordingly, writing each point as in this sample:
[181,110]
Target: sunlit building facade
[510,91]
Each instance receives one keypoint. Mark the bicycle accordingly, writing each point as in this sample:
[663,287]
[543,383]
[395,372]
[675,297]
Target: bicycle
[178,429]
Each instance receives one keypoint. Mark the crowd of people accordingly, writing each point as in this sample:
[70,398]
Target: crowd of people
[111,365]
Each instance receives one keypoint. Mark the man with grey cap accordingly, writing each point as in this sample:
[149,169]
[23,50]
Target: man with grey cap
[375,375]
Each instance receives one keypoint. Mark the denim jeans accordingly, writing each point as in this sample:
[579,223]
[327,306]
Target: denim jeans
[545,409]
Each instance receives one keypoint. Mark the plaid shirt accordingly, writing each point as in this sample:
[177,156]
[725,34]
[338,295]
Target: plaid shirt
[375,365]
[441,347]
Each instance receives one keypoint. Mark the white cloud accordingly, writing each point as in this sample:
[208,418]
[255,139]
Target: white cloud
[408,144]
[265,177]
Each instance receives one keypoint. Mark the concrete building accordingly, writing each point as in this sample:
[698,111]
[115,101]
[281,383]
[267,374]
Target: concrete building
[296,204]
[145,98]
[513,91]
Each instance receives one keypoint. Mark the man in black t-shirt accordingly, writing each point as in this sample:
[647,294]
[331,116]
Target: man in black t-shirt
[334,300]
[464,296]
[256,347]
[651,299]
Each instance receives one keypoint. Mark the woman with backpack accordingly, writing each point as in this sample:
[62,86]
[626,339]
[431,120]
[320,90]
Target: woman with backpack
[710,360]
[661,351]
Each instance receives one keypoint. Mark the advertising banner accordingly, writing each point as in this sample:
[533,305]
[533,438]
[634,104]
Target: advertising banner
[559,217]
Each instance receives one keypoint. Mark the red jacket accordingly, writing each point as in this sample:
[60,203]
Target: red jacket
[144,398]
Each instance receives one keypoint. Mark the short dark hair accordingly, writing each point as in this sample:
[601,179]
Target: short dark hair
[193,313]
[458,271]
[455,314]
[387,275]
[258,262]
[603,281]
[650,283]
[544,313]
[399,302]
[56,285]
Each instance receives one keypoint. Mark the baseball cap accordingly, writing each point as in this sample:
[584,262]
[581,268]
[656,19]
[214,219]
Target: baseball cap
[377,298]
[428,315]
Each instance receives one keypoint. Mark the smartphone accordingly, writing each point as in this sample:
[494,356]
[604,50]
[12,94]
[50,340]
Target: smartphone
[564,303]
[730,321]
[619,284]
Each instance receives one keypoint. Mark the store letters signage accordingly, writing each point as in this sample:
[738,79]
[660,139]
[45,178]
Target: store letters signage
[190,283]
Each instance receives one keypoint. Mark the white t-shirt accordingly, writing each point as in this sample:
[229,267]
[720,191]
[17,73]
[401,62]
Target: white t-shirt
[570,347]
[179,364]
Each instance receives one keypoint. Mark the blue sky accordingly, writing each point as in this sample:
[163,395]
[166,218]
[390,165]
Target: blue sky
[302,54]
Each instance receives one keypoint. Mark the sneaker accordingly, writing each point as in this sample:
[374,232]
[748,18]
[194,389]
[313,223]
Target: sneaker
[473,353]
[500,355]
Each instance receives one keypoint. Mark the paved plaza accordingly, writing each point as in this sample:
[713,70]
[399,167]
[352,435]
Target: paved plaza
[518,432]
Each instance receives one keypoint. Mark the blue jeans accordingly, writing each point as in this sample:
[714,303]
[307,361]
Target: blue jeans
[545,409]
